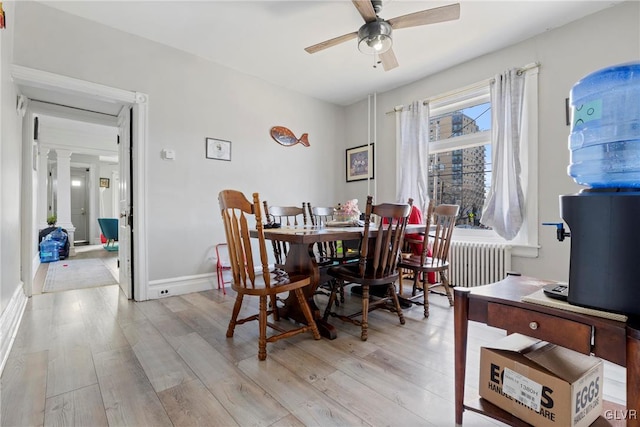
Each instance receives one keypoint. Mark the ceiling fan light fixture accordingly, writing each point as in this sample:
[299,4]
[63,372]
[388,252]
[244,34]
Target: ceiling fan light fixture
[375,37]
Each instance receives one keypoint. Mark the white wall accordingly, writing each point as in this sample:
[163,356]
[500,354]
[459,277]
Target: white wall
[10,172]
[191,99]
[566,55]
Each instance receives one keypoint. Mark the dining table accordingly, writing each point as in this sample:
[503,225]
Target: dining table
[301,259]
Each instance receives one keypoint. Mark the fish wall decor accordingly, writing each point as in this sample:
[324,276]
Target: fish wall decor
[284,136]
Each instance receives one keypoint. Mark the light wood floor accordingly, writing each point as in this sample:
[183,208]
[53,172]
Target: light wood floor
[92,358]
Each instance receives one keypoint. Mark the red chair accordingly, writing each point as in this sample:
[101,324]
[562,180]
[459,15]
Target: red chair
[224,264]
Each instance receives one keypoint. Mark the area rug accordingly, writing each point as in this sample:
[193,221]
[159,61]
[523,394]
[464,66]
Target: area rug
[76,274]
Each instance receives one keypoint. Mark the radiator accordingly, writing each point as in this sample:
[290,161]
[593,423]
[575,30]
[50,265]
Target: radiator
[477,263]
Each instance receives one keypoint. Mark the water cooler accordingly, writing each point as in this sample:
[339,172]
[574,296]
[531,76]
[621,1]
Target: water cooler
[604,218]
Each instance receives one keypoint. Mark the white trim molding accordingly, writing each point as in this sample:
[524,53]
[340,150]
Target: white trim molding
[46,80]
[181,285]
[9,323]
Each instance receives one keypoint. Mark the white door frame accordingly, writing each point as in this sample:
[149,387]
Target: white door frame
[139,101]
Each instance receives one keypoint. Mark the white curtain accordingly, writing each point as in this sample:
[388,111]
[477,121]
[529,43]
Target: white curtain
[504,206]
[413,136]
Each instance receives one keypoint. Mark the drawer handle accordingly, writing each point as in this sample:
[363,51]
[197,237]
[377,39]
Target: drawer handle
[533,325]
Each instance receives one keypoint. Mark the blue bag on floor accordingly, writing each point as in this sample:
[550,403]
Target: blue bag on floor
[49,249]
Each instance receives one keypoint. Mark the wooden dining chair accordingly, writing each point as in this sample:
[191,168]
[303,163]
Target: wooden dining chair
[238,215]
[283,216]
[331,253]
[444,221]
[336,251]
[377,266]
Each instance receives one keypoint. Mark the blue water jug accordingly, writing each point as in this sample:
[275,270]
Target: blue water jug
[49,249]
[605,128]
[61,237]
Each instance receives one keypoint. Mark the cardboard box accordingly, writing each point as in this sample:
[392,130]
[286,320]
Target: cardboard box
[541,383]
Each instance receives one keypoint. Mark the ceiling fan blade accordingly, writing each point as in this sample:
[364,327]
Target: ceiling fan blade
[429,16]
[389,61]
[331,42]
[366,9]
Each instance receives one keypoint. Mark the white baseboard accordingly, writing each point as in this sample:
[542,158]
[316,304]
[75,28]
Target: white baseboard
[181,285]
[10,321]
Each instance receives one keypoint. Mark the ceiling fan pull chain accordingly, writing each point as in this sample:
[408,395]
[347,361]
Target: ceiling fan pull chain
[376,60]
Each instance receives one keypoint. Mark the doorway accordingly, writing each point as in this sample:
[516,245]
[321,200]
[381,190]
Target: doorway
[80,205]
[88,99]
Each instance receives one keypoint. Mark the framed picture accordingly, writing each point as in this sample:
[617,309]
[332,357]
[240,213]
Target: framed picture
[104,182]
[360,163]
[218,149]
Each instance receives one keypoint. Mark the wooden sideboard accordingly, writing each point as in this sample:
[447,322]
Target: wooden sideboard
[499,305]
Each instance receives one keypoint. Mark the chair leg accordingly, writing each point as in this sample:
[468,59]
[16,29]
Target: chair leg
[365,313]
[332,298]
[307,313]
[274,307]
[416,277]
[445,282]
[425,294]
[396,302]
[220,279]
[262,321]
[224,291]
[234,315]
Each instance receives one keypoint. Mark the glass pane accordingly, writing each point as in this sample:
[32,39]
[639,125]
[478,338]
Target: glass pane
[462,177]
[462,122]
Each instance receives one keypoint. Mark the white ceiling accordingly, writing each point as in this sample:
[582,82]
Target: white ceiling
[266,39]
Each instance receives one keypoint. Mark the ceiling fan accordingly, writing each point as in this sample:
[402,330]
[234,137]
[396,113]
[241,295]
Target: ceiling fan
[374,37]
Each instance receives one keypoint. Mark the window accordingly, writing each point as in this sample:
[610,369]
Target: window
[459,159]
[460,153]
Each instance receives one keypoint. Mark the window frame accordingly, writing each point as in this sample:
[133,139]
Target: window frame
[526,242]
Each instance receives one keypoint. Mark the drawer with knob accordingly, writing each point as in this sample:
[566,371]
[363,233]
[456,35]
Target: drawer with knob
[564,332]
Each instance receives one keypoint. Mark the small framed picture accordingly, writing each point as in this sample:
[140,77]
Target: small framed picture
[360,163]
[104,182]
[218,149]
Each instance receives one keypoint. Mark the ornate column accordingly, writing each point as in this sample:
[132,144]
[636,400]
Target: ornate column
[43,172]
[63,198]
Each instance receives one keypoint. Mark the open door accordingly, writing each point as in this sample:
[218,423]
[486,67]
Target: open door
[125,235]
